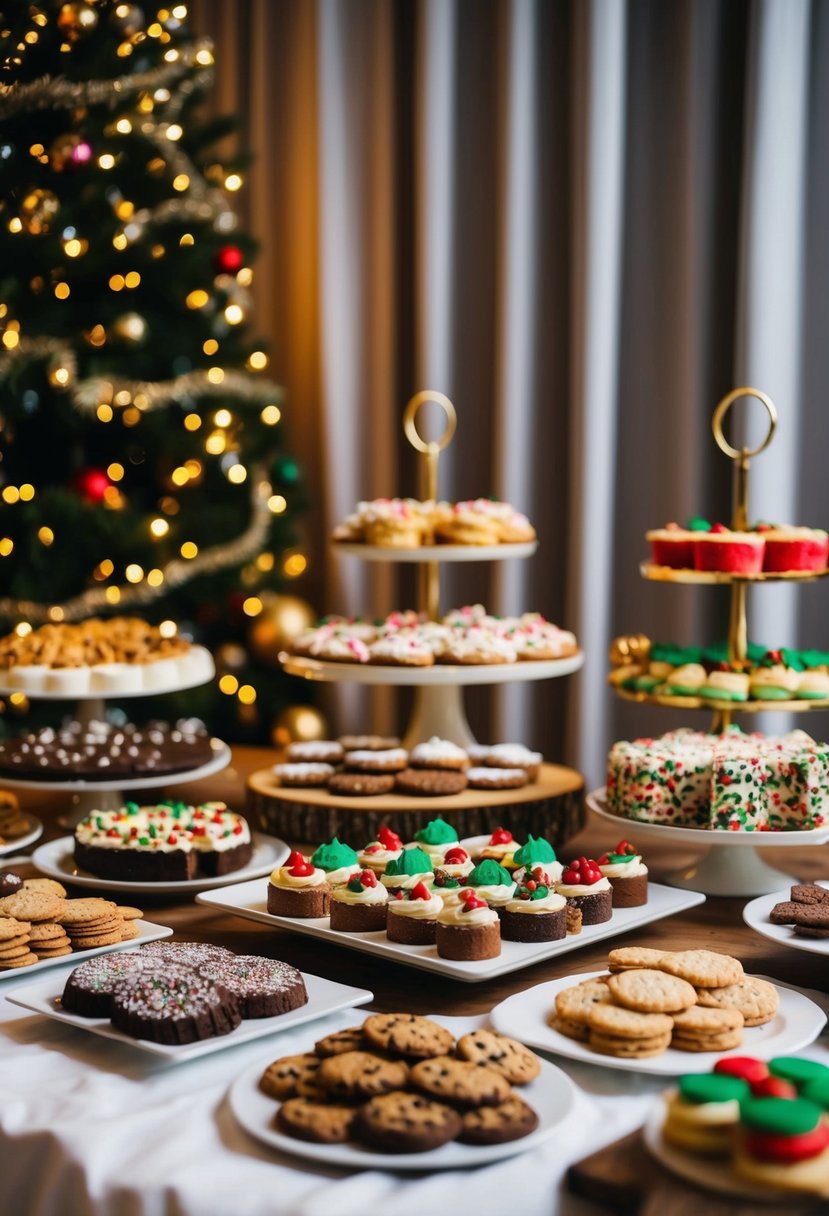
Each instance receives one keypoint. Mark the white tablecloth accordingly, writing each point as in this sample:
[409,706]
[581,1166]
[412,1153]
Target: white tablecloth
[94,1128]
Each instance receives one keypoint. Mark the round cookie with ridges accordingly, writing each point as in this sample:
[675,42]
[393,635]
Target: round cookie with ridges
[406,1123]
[574,1005]
[430,783]
[321,1122]
[339,1041]
[291,1077]
[28,905]
[361,1074]
[703,968]
[651,991]
[512,1120]
[173,1005]
[361,785]
[407,1034]
[509,1057]
[757,1000]
[628,1023]
[630,958]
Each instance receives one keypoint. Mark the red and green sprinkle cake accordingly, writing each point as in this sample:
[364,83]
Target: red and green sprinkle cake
[170,842]
[729,782]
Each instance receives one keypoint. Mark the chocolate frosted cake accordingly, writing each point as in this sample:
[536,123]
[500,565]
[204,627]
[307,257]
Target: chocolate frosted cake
[264,987]
[173,1005]
[170,842]
[99,751]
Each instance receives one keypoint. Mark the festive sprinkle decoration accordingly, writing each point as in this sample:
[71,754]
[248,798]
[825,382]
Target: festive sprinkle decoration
[582,872]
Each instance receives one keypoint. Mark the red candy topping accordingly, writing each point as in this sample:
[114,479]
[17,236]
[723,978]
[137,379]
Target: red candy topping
[501,836]
[456,856]
[298,866]
[624,846]
[389,839]
[420,891]
[747,1068]
[766,1146]
[719,528]
[773,1087]
[470,900]
[368,878]
[583,872]
[172,838]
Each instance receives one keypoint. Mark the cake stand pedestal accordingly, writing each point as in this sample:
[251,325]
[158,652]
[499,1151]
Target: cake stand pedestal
[732,864]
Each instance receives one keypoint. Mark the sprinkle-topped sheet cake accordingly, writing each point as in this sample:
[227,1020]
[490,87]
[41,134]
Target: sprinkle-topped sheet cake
[169,842]
[728,782]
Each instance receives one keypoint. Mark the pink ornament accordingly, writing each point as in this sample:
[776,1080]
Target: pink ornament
[81,154]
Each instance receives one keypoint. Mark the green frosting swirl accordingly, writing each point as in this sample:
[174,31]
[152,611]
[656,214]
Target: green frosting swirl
[699,1088]
[697,524]
[437,831]
[333,856]
[535,852]
[488,874]
[410,861]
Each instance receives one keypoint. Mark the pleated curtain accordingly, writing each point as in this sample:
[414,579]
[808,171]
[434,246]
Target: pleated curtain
[585,222]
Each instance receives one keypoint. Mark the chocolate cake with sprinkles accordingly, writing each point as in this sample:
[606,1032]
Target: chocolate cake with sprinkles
[174,1005]
[265,987]
[88,990]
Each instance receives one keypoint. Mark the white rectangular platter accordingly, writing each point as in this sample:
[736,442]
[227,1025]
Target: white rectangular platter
[324,997]
[147,932]
[249,900]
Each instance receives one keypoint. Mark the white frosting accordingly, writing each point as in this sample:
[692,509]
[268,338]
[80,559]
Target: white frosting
[551,902]
[625,869]
[776,677]
[573,891]
[317,751]
[393,881]
[436,749]
[481,772]
[379,759]
[456,915]
[513,754]
[417,909]
[379,860]
[343,875]
[366,895]
[402,648]
[300,770]
[731,681]
[497,851]
[284,878]
[814,681]
[553,870]
[458,869]
[498,893]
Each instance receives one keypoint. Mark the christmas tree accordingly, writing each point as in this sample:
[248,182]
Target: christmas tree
[142,466]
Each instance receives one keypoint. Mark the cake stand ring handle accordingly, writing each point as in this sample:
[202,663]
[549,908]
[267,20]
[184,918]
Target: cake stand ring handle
[409,414]
[722,409]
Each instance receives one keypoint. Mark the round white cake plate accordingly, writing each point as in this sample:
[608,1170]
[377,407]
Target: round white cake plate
[732,864]
[56,860]
[438,700]
[756,916]
[435,553]
[669,574]
[110,795]
[91,705]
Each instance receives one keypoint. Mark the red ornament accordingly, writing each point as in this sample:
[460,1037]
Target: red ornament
[229,259]
[91,485]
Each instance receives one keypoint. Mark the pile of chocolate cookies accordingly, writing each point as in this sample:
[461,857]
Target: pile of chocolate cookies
[807,911]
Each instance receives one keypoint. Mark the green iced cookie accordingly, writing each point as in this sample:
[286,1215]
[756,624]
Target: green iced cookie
[797,1069]
[817,1091]
[712,1087]
[780,1116]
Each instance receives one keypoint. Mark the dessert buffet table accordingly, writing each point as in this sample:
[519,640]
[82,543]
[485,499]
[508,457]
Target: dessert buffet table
[97,1128]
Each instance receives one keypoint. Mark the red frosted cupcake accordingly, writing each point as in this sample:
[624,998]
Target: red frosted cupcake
[673,546]
[790,549]
[722,550]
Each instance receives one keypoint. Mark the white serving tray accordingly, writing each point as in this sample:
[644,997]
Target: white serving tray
[525,1016]
[324,997]
[250,900]
[147,932]
[756,916]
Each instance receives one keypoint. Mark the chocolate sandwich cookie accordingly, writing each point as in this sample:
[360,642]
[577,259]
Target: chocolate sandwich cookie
[361,785]
[430,782]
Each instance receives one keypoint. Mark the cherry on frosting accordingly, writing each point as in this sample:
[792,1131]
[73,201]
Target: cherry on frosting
[470,900]
[501,836]
[719,528]
[420,891]
[456,856]
[582,872]
[368,878]
[624,846]
[389,839]
[299,866]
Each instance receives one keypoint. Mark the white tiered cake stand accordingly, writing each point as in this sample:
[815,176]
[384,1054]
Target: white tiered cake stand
[104,795]
[732,864]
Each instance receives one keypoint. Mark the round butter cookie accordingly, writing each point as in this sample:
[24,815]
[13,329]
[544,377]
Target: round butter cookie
[651,991]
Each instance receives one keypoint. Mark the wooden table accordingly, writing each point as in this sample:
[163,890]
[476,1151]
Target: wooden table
[717,924]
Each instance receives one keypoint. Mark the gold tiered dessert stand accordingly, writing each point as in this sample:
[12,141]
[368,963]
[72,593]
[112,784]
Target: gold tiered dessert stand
[552,805]
[732,866]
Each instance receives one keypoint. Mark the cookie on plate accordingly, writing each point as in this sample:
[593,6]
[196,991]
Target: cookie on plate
[509,1057]
[291,1077]
[361,1074]
[350,1039]
[631,958]
[703,968]
[626,1033]
[430,783]
[757,1000]
[361,785]
[651,991]
[706,1029]
[321,1122]
[512,1120]
[407,1034]
[459,1082]
[402,1122]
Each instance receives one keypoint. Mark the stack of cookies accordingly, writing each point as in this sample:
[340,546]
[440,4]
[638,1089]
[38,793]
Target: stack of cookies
[436,768]
[690,1000]
[37,922]
[807,911]
[400,1083]
[13,822]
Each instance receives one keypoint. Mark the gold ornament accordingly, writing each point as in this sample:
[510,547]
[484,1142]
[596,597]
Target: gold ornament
[283,617]
[230,656]
[60,151]
[130,328]
[128,18]
[298,724]
[630,648]
[38,209]
[76,19]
